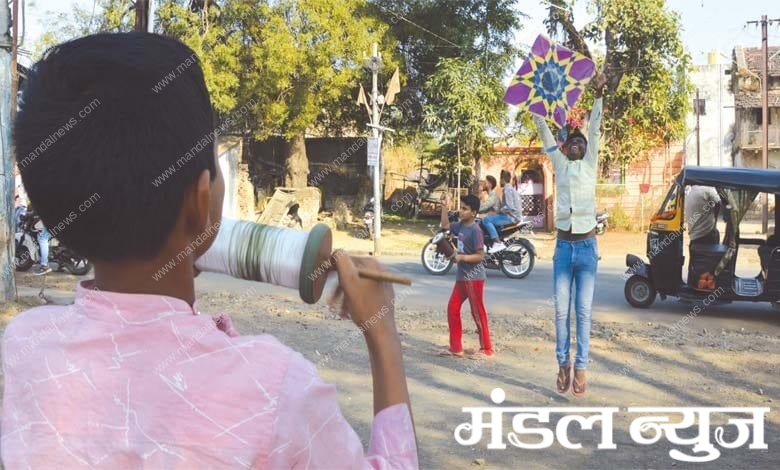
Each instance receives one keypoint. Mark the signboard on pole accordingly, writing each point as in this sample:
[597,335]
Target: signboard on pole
[372,151]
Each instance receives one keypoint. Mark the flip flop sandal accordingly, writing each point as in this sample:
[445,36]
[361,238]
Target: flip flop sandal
[566,381]
[479,355]
[578,388]
[448,353]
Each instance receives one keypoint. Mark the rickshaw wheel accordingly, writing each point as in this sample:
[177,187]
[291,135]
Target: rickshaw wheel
[640,291]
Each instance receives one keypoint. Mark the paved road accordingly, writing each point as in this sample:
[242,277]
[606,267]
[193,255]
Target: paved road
[510,297]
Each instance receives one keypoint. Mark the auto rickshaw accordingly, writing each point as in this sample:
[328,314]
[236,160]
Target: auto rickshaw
[711,273]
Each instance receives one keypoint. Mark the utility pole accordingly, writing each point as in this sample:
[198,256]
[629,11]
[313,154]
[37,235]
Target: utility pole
[14,56]
[764,113]
[7,173]
[141,15]
[698,133]
[764,119]
[376,65]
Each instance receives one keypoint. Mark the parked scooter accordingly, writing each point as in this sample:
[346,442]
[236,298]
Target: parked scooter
[28,227]
[516,261]
[602,222]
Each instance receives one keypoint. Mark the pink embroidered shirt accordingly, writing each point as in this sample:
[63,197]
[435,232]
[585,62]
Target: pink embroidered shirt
[123,381]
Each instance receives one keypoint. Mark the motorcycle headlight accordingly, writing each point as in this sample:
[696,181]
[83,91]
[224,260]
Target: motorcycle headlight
[438,237]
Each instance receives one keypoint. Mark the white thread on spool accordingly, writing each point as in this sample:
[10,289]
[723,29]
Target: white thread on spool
[256,252]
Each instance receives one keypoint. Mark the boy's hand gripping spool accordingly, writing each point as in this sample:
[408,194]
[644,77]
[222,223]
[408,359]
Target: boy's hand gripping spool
[273,255]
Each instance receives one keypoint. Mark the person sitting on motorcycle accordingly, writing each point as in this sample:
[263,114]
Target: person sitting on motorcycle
[43,241]
[492,203]
[508,213]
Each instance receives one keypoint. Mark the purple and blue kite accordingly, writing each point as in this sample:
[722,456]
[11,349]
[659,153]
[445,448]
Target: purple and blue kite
[550,81]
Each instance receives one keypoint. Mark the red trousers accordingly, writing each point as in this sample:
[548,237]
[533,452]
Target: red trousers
[473,291]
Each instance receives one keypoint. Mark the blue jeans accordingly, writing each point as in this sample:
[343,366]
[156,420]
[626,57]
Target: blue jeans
[43,241]
[574,265]
[491,221]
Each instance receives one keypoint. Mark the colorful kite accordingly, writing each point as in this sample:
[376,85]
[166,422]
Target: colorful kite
[550,81]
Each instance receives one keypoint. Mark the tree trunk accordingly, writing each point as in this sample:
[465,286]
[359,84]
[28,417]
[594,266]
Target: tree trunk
[297,163]
[460,174]
[477,176]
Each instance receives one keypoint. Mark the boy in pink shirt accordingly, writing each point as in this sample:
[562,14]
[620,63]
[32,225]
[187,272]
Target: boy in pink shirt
[132,375]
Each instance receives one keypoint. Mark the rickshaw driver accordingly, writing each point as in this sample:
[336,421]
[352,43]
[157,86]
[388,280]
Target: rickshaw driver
[702,205]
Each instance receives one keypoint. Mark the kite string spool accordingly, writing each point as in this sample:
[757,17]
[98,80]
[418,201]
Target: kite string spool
[256,252]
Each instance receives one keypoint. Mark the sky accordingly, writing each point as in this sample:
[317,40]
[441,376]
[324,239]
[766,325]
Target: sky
[707,24]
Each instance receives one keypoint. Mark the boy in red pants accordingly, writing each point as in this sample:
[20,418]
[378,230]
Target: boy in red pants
[470,281]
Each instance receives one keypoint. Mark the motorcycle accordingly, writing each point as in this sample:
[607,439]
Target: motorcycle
[602,222]
[28,226]
[516,261]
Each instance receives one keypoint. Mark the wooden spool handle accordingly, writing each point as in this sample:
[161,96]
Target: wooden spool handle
[384,276]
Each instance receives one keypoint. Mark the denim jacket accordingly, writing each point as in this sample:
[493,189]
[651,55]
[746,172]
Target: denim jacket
[575,180]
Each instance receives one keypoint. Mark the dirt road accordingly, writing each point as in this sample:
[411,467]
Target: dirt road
[634,364]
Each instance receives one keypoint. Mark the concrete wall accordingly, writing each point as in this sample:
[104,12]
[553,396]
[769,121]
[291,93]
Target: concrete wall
[716,133]
[337,166]
[750,141]
[239,201]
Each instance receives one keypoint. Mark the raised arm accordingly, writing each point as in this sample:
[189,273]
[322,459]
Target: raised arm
[491,203]
[594,125]
[311,430]
[549,143]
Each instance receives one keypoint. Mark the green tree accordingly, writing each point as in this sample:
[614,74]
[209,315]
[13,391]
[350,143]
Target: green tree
[646,100]
[467,103]
[196,23]
[479,31]
[298,61]
[202,26]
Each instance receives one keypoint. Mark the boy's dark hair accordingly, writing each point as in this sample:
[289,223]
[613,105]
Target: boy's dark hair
[95,125]
[576,133]
[492,181]
[471,201]
[506,176]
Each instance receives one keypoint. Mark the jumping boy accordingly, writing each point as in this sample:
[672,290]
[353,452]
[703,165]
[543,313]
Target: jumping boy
[470,280]
[575,260]
[131,375]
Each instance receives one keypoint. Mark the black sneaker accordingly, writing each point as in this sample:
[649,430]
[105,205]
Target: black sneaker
[41,270]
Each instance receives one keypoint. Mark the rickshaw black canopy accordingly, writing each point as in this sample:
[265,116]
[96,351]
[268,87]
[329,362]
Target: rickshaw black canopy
[750,179]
